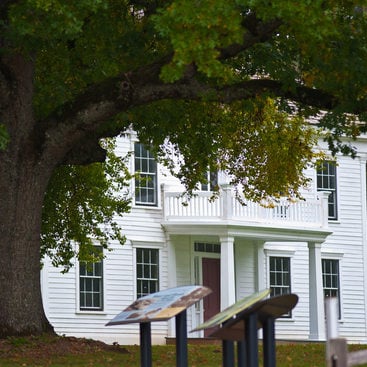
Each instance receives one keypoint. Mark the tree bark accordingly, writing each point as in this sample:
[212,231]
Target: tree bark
[23,181]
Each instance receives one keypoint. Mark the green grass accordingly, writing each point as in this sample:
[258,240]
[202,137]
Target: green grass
[288,355]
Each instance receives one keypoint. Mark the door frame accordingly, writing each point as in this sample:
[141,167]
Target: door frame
[197,315]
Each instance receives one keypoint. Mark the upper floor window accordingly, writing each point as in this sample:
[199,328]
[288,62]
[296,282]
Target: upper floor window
[147,271]
[146,181]
[326,181]
[210,181]
[91,285]
[330,279]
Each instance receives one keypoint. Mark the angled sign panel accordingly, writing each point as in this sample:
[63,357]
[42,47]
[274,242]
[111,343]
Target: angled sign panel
[161,306]
[233,310]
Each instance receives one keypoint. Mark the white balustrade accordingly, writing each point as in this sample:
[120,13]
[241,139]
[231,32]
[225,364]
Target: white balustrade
[227,207]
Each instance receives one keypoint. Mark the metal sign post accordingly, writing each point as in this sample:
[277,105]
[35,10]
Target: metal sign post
[145,345]
[269,342]
[161,306]
[251,339]
[181,340]
[250,314]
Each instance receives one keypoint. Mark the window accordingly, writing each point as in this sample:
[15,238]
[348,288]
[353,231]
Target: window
[210,181]
[207,247]
[326,181]
[330,279]
[280,275]
[91,284]
[146,182]
[147,271]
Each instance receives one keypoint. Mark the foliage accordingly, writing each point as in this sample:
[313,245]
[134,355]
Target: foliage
[244,75]
[80,207]
[263,150]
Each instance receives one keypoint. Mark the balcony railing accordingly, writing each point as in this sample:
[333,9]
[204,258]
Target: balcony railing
[310,213]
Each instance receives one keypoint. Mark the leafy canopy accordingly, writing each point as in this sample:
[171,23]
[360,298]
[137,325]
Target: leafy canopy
[80,208]
[244,75]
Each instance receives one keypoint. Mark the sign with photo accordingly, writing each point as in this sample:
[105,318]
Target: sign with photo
[161,306]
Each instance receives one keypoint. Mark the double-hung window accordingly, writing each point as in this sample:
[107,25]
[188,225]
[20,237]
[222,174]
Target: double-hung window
[91,285]
[279,275]
[146,179]
[326,181]
[210,181]
[147,271]
[330,279]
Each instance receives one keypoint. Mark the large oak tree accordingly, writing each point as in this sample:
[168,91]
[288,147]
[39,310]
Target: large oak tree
[216,77]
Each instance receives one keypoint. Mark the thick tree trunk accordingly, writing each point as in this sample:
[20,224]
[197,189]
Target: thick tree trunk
[21,309]
[23,180]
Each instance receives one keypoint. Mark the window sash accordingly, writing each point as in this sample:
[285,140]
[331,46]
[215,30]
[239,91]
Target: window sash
[146,182]
[280,275]
[326,181]
[91,285]
[331,279]
[147,271]
[210,181]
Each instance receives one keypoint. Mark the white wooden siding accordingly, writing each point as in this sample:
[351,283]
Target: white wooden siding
[143,225]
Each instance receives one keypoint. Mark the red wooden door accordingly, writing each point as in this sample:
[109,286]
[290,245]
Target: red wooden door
[211,279]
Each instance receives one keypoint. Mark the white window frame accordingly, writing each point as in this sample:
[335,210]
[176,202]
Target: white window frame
[210,183]
[147,173]
[86,310]
[146,245]
[274,250]
[339,257]
[333,191]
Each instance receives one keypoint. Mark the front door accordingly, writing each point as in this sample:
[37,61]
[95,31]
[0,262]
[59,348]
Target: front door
[211,279]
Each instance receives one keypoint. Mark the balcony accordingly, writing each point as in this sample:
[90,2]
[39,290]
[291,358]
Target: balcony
[310,214]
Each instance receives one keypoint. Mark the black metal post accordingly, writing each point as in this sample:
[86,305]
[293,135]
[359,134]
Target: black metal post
[145,345]
[251,339]
[181,340]
[228,353]
[269,342]
[241,353]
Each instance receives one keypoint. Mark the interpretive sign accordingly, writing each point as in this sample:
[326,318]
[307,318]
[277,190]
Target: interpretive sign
[270,308]
[161,306]
[232,310]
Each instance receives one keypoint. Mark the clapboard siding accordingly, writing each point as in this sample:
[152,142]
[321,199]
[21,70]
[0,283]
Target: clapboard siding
[245,269]
[143,226]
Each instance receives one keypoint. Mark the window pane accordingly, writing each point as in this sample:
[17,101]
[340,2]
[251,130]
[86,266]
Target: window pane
[330,279]
[146,183]
[90,284]
[326,181]
[147,271]
[279,276]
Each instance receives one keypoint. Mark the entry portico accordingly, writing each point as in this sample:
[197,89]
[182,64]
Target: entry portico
[231,230]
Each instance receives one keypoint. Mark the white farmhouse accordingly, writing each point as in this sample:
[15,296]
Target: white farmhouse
[314,248]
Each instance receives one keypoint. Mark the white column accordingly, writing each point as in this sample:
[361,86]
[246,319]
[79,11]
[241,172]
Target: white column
[172,279]
[226,198]
[316,294]
[324,197]
[227,278]
[260,263]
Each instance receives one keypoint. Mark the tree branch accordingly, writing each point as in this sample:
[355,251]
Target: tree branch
[258,32]
[93,109]
[86,151]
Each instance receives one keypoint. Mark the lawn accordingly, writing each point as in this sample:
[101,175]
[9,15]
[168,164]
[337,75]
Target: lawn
[49,351]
